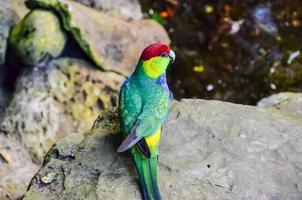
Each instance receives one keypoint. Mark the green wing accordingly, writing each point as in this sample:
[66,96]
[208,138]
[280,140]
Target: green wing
[130,104]
[153,113]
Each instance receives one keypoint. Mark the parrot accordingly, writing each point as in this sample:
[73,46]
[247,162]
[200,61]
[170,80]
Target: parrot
[144,103]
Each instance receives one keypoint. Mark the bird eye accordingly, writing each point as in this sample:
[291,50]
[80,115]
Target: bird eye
[164,54]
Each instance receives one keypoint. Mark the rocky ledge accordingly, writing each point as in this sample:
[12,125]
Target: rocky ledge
[209,150]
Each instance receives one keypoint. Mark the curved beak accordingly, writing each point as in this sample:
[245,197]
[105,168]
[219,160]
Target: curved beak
[171,56]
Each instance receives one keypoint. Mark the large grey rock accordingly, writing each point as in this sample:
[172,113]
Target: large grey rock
[209,150]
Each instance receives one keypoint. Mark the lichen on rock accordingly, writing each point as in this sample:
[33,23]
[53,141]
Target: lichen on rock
[37,37]
[62,97]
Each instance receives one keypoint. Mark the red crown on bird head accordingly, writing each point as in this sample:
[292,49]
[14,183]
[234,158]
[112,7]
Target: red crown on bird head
[153,50]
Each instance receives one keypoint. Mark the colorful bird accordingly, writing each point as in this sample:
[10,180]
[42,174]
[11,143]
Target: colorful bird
[144,103]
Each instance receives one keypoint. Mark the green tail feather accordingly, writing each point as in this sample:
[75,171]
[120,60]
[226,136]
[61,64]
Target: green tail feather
[147,172]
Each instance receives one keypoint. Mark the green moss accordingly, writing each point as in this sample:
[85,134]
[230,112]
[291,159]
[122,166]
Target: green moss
[86,34]
[38,36]
[70,24]
[288,77]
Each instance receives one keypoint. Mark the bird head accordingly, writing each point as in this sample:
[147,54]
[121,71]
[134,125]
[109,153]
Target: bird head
[155,59]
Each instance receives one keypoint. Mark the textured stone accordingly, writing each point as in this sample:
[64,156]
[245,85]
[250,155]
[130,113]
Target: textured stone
[286,102]
[37,37]
[111,42]
[128,9]
[16,167]
[19,10]
[62,97]
[5,24]
[209,150]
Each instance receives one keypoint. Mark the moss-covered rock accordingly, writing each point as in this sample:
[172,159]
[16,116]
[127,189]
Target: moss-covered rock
[37,37]
[63,97]
[112,43]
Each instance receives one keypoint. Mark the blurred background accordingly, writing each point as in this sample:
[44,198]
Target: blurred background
[232,50]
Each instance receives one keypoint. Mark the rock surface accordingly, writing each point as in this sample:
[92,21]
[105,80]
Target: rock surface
[209,150]
[286,102]
[19,10]
[129,9]
[37,37]
[113,43]
[5,24]
[62,97]
[16,167]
